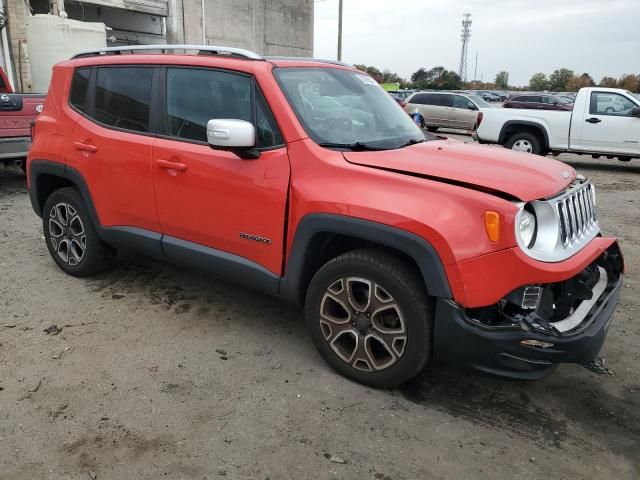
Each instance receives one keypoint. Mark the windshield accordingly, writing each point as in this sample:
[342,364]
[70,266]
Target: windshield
[479,102]
[342,108]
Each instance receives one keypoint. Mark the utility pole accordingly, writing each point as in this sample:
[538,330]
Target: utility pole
[475,71]
[465,37]
[340,31]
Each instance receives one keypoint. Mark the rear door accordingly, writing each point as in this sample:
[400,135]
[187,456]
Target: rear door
[111,142]
[439,109]
[463,113]
[213,198]
[606,125]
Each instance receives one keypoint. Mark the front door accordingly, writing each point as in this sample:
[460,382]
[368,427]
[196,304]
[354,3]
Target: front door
[214,198]
[463,113]
[607,126]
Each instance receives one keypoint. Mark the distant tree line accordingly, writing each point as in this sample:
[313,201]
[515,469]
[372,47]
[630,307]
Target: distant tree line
[565,80]
[439,78]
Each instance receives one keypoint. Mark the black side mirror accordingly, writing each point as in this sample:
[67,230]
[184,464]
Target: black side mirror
[635,112]
[471,106]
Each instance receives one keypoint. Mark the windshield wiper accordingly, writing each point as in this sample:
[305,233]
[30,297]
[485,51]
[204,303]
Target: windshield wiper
[413,141]
[356,146]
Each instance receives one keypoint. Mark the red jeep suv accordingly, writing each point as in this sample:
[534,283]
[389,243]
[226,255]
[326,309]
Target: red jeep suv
[304,179]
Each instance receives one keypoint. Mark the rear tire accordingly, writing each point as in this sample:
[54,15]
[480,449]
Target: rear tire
[370,317]
[71,236]
[525,142]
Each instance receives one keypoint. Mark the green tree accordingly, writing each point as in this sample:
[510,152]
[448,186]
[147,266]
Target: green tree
[438,78]
[539,82]
[502,80]
[559,78]
[630,82]
[608,82]
[575,83]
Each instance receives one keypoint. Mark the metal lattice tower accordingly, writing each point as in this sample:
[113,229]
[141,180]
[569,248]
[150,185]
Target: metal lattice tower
[465,37]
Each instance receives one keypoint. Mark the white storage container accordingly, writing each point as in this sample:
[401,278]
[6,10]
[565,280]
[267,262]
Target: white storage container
[52,39]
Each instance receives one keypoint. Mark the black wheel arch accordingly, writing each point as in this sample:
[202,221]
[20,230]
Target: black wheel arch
[315,233]
[46,176]
[518,126]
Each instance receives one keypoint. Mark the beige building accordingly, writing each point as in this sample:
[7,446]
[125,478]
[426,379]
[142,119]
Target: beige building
[270,27]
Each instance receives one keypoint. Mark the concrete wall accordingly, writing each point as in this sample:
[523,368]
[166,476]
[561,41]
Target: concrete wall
[268,27]
[17,14]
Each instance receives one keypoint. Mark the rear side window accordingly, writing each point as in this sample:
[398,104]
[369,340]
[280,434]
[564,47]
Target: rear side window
[419,99]
[79,89]
[123,96]
[441,100]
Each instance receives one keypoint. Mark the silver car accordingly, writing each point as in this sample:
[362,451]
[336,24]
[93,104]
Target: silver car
[433,110]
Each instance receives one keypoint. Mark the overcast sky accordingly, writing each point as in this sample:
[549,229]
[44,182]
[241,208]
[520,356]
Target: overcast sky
[600,37]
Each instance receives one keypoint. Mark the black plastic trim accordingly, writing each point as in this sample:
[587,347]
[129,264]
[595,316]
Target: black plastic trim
[225,265]
[503,132]
[421,251]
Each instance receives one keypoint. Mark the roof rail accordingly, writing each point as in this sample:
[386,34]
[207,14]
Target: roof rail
[308,59]
[202,49]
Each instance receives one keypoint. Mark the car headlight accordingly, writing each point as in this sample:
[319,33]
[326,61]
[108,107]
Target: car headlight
[526,228]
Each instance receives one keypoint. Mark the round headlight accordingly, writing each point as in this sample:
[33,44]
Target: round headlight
[527,228]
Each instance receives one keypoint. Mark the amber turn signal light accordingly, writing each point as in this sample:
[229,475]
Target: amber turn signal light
[492,224]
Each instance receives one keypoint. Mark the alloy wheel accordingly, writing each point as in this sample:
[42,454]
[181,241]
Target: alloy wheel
[363,324]
[67,233]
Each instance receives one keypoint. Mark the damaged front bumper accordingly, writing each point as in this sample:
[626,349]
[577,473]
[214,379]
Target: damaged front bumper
[534,328]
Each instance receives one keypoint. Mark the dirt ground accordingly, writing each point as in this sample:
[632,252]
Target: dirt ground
[160,372]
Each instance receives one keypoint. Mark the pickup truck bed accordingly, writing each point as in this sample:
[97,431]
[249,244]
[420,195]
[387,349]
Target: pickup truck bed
[17,112]
[603,122]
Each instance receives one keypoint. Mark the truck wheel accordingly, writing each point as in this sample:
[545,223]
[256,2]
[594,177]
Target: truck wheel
[71,236]
[433,129]
[370,318]
[524,142]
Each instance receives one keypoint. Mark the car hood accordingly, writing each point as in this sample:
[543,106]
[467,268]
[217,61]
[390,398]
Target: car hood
[522,176]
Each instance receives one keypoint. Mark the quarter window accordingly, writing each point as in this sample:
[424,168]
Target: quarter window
[123,95]
[79,88]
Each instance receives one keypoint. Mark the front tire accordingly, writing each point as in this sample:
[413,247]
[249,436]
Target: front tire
[525,142]
[71,236]
[370,317]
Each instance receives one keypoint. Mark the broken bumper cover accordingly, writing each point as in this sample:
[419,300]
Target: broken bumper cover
[498,349]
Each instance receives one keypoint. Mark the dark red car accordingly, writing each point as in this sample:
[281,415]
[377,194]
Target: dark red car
[539,102]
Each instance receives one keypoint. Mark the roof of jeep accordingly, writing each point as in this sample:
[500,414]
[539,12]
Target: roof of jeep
[203,54]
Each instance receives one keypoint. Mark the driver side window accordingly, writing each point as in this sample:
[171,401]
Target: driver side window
[195,96]
[613,104]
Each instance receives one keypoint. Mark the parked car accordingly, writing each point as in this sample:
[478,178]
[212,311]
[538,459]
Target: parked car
[401,246]
[603,121]
[433,110]
[17,113]
[538,102]
[487,96]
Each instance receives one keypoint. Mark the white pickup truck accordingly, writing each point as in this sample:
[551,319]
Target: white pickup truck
[604,122]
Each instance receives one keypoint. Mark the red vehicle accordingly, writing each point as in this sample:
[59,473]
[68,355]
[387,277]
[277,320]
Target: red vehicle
[304,179]
[17,113]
